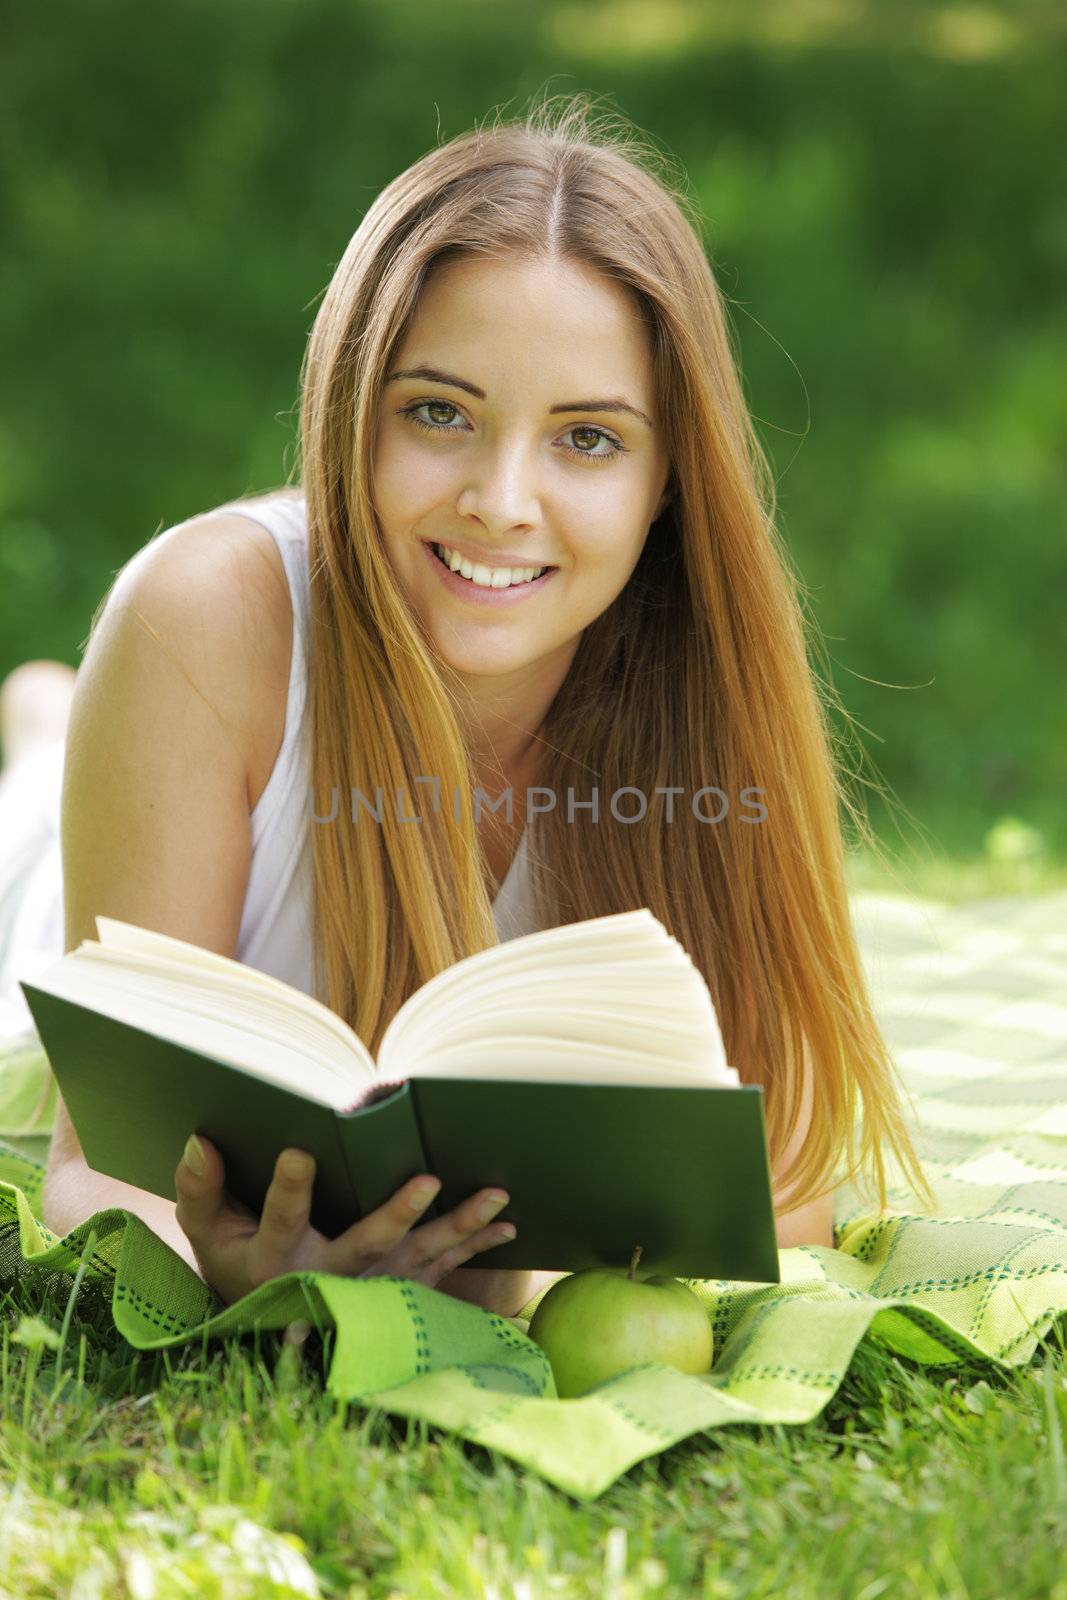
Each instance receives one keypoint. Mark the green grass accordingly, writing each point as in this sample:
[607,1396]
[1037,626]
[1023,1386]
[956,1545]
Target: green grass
[955,880]
[227,1471]
[168,1476]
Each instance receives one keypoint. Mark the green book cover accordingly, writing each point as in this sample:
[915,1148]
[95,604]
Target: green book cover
[593,1168]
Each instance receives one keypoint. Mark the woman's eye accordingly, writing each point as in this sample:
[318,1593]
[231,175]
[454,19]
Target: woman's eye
[582,430]
[599,436]
[434,405]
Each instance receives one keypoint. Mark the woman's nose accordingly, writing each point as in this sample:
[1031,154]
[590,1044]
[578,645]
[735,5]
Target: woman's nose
[504,492]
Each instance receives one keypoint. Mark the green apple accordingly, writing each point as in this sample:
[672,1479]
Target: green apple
[595,1324]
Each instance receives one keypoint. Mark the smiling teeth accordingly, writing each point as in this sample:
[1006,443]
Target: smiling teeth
[485,577]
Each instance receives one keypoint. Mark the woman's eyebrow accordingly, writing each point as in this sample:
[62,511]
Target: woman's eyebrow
[435,375]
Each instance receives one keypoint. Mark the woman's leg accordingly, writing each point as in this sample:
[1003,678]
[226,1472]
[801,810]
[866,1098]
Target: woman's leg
[34,708]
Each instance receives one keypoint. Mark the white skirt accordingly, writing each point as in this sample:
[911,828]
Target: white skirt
[32,933]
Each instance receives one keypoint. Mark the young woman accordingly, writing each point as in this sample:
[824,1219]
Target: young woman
[521,369]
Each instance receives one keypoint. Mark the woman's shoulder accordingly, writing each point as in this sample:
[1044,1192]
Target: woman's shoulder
[236,535]
[221,577]
[229,543]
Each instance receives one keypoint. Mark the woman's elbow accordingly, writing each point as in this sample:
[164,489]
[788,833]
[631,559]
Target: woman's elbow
[812,1223]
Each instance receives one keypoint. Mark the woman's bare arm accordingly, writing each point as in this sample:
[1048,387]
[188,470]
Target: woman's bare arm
[155,812]
[813,1222]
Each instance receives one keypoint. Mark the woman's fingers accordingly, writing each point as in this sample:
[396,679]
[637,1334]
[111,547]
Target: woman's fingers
[287,1205]
[384,1241]
[437,1248]
[374,1236]
[199,1179]
[442,1266]
[236,1250]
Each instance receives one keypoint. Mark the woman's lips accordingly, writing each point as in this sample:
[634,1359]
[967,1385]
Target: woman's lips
[476,595]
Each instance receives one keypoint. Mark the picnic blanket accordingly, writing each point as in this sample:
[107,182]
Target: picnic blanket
[973,1002]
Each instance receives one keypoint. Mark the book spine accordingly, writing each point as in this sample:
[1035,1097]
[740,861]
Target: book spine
[383,1146]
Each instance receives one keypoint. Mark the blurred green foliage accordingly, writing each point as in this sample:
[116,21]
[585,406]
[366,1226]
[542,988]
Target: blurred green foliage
[885,207]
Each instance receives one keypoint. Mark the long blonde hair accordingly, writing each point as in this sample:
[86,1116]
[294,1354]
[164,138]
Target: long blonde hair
[697,675]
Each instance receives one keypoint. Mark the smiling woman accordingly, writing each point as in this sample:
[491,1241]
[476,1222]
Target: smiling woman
[504,482]
[533,546]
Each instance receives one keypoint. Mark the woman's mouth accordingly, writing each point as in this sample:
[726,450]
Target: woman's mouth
[486,585]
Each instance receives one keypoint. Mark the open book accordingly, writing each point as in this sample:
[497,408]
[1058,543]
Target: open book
[581,1069]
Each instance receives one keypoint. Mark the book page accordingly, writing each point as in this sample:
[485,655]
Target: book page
[523,1059]
[632,946]
[135,942]
[185,983]
[192,997]
[614,999]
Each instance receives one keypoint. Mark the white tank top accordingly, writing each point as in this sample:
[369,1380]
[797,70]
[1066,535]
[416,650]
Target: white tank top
[276,930]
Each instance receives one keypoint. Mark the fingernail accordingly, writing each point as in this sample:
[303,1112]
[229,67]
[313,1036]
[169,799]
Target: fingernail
[420,1198]
[193,1156]
[489,1208]
[297,1164]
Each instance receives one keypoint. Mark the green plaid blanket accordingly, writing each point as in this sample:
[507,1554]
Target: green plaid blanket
[973,1002]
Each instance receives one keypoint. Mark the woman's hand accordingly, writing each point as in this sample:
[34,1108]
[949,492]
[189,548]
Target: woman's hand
[236,1250]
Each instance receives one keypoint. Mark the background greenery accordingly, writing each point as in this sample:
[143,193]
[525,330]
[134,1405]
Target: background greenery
[884,204]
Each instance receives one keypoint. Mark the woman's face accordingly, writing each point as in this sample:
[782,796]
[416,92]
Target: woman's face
[527,438]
